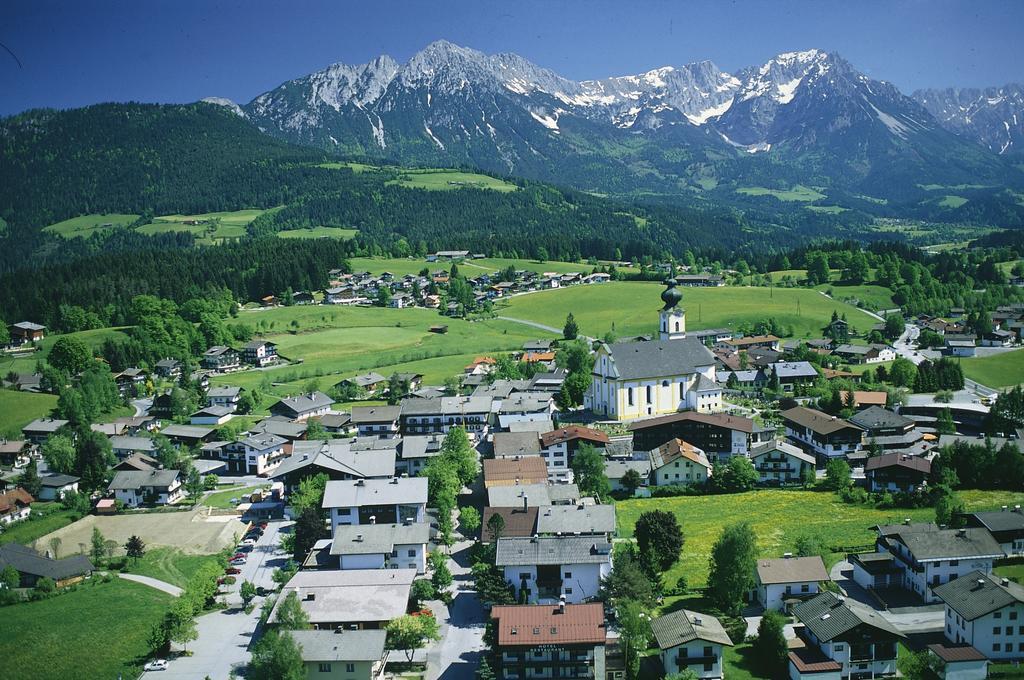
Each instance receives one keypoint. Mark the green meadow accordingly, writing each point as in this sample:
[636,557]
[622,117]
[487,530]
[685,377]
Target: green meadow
[231,224]
[779,518]
[445,180]
[18,409]
[632,308]
[1005,369]
[487,265]
[797,193]
[319,232]
[87,225]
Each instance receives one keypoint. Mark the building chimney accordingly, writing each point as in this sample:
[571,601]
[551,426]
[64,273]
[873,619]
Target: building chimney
[561,604]
[360,482]
[373,519]
[359,538]
[1005,508]
[394,480]
[787,555]
[1004,582]
[697,621]
[526,502]
[961,532]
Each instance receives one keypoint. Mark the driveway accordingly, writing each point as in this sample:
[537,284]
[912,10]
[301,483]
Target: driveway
[224,636]
[163,586]
[457,654]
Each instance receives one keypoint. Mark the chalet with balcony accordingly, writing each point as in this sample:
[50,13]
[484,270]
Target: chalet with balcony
[779,463]
[679,462]
[691,641]
[221,359]
[897,473]
[546,569]
[986,612]
[890,432]
[376,501]
[823,435]
[783,581]
[719,435]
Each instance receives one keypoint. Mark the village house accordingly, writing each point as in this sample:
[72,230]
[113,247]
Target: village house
[616,469]
[1006,527]
[897,473]
[152,487]
[130,380]
[342,654]
[211,415]
[257,454]
[441,414]
[32,566]
[369,382]
[559,446]
[890,432]
[303,406]
[25,332]
[986,612]
[15,505]
[40,429]
[415,451]
[861,398]
[549,641]
[576,520]
[125,446]
[221,359]
[168,368]
[718,434]
[679,463]
[864,354]
[349,599]
[823,435]
[53,487]
[782,581]
[780,463]
[376,501]
[13,453]
[794,374]
[514,471]
[381,546]
[339,460]
[841,639]
[376,421]
[960,345]
[137,461]
[525,406]
[546,569]
[259,353]
[224,396]
[532,495]
[187,435]
[691,641]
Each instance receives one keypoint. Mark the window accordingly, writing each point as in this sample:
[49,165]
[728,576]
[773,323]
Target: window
[629,394]
[524,576]
[997,615]
[664,383]
[345,512]
[707,652]
[838,648]
[996,647]
[708,665]
[997,630]
[350,668]
[682,390]
[412,553]
[954,563]
[1013,616]
[805,588]
[650,392]
[568,574]
[325,668]
[568,591]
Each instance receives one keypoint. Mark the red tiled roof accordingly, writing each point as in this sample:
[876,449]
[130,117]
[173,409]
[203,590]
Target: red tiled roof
[864,398]
[811,660]
[518,522]
[888,460]
[953,653]
[541,624]
[531,357]
[12,499]
[572,432]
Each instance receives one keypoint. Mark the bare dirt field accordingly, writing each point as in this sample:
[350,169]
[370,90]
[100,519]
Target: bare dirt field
[196,532]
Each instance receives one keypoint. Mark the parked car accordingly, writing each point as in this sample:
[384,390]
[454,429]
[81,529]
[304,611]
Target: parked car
[261,591]
[245,549]
[238,561]
[156,665]
[231,571]
[263,525]
[249,541]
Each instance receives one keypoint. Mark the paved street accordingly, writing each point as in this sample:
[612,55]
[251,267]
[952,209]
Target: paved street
[457,654]
[224,636]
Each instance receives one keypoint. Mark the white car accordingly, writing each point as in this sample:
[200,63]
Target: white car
[156,665]
[249,541]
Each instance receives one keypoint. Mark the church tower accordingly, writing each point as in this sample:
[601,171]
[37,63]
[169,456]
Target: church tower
[673,317]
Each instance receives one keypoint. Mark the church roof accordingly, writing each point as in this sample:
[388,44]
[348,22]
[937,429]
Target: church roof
[637,360]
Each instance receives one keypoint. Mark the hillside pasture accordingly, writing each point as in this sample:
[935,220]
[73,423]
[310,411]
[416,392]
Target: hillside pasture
[470,268]
[446,180]
[18,409]
[779,518]
[87,225]
[631,308]
[797,193]
[320,232]
[232,224]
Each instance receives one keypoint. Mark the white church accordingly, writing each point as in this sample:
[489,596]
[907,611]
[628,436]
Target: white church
[641,379]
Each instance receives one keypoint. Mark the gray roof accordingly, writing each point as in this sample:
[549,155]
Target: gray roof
[998,442]
[370,539]
[263,441]
[133,443]
[576,519]
[945,544]
[791,570]
[616,469]
[633,360]
[684,626]
[538,426]
[828,617]
[136,479]
[339,457]
[340,645]
[44,425]
[446,406]
[365,379]
[215,411]
[875,417]
[784,447]
[365,415]
[795,369]
[347,494]
[522,550]
[516,443]
[56,481]
[29,326]
[1001,520]
[421,446]
[223,391]
[350,595]
[284,429]
[512,496]
[304,403]
[976,594]
[187,431]
[526,402]
[27,561]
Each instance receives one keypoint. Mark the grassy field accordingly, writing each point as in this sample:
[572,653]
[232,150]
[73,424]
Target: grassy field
[336,342]
[1014,572]
[826,209]
[872,296]
[45,518]
[18,409]
[100,630]
[232,224]
[1005,369]
[632,308]
[443,180]
[779,518]
[170,565]
[950,201]
[87,225]
[222,499]
[409,265]
[319,232]
[797,193]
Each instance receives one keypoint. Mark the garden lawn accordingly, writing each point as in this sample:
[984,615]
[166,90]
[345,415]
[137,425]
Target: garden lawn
[739,663]
[1005,369]
[632,308]
[97,631]
[18,409]
[45,518]
[87,225]
[1014,572]
[170,565]
[222,499]
[779,517]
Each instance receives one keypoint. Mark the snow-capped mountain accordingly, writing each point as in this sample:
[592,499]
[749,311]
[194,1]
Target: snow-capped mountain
[992,117]
[656,130]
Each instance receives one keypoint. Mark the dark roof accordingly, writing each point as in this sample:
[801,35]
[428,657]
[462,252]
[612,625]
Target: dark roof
[875,417]
[718,419]
[815,420]
[976,594]
[946,544]
[684,626]
[136,479]
[340,645]
[829,616]
[304,403]
[56,481]
[654,359]
[1004,520]
[375,414]
[518,522]
[543,624]
[551,550]
[890,460]
[951,653]
[27,561]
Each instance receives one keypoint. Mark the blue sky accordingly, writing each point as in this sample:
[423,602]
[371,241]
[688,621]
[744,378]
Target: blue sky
[81,52]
